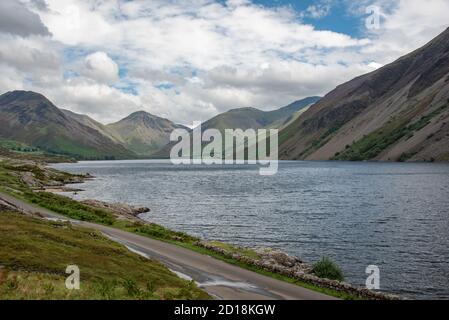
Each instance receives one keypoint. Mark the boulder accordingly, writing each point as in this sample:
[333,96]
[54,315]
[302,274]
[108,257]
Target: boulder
[120,209]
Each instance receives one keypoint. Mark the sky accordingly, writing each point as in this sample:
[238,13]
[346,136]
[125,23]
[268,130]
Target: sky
[190,60]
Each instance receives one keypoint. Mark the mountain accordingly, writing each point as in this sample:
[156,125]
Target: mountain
[250,118]
[399,112]
[31,118]
[91,123]
[143,133]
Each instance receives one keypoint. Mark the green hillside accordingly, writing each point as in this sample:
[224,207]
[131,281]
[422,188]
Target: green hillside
[30,118]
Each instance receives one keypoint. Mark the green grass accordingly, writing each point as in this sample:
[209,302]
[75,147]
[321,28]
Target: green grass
[18,146]
[33,156]
[69,148]
[35,254]
[74,210]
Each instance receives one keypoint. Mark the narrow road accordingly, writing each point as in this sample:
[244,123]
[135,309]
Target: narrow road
[221,280]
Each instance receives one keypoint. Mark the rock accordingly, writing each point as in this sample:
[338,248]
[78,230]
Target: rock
[76,179]
[140,210]
[122,210]
[282,258]
[29,179]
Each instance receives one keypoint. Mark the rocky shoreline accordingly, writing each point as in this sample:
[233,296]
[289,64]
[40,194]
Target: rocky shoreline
[122,211]
[279,262]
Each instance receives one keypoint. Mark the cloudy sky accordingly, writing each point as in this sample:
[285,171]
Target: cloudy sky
[192,59]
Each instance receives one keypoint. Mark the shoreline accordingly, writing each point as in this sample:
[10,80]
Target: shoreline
[30,181]
[286,266]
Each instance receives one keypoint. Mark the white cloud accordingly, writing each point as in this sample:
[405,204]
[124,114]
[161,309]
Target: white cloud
[97,100]
[28,55]
[99,66]
[405,26]
[374,65]
[189,60]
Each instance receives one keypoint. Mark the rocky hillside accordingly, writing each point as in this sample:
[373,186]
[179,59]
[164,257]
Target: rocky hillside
[31,118]
[143,133]
[397,113]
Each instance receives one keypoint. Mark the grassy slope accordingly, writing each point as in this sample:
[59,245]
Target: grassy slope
[33,156]
[35,254]
[58,142]
[17,146]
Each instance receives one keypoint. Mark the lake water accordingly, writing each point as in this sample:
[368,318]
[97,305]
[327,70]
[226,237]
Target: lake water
[393,215]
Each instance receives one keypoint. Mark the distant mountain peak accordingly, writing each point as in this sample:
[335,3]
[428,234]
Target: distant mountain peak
[243,109]
[22,96]
[25,94]
[140,113]
[143,132]
[142,116]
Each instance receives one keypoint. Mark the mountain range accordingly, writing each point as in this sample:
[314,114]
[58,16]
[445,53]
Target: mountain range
[399,112]
[250,118]
[30,118]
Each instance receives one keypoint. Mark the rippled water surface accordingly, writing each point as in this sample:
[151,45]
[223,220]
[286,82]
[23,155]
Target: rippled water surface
[395,216]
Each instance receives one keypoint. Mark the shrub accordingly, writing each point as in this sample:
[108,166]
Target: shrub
[131,287]
[106,289]
[326,268]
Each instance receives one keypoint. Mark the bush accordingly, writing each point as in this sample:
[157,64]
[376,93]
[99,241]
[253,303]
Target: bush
[131,288]
[326,268]
[106,289]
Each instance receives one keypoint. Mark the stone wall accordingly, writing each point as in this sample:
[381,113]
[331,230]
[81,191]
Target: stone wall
[286,265]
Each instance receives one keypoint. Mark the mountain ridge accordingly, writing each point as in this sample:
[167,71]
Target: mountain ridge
[377,116]
[94,124]
[143,132]
[30,117]
[253,118]
[250,118]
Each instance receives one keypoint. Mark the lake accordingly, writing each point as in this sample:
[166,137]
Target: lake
[393,215]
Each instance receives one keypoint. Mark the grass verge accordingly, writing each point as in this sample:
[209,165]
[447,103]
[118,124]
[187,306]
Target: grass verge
[35,254]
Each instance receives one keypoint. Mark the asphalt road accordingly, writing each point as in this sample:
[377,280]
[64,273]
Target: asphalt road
[221,280]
